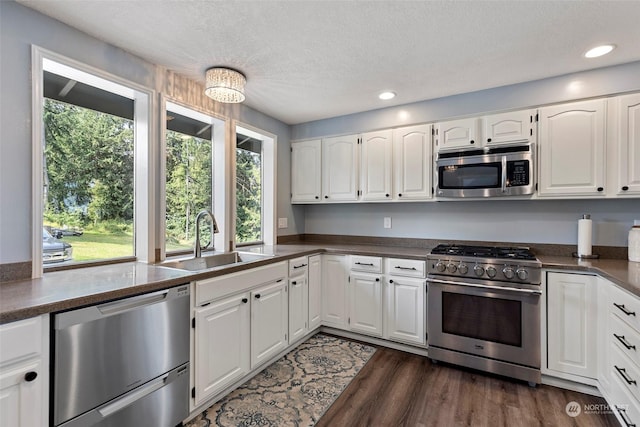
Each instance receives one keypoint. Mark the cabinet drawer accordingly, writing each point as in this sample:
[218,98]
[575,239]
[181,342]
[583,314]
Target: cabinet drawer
[20,339]
[210,289]
[369,264]
[298,266]
[623,404]
[406,267]
[626,339]
[625,306]
[625,372]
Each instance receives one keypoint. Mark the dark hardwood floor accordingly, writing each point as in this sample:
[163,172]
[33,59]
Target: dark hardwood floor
[400,389]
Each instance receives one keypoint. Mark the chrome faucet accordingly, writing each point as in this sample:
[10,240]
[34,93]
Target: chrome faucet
[197,251]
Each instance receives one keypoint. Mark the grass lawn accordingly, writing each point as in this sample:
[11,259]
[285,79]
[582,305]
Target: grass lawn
[98,245]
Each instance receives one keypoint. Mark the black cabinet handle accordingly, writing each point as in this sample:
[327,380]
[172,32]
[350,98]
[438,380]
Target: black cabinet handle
[244,300]
[317,197]
[623,414]
[364,263]
[299,266]
[405,268]
[399,194]
[391,281]
[488,139]
[326,197]
[625,188]
[623,374]
[257,296]
[622,308]
[600,189]
[624,342]
[377,279]
[30,376]
[386,195]
[472,142]
[294,283]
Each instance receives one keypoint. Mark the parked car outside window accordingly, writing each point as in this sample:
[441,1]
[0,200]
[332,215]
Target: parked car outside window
[54,250]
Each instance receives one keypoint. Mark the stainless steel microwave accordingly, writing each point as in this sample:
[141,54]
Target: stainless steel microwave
[489,172]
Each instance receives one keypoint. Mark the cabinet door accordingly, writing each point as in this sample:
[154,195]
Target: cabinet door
[517,126]
[334,285]
[221,345]
[413,165]
[406,318]
[268,322]
[628,144]
[365,303]
[464,133]
[572,321]
[340,168]
[298,308]
[306,171]
[572,138]
[315,294]
[376,164]
[21,400]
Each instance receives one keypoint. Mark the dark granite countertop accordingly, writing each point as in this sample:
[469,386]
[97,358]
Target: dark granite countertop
[68,289]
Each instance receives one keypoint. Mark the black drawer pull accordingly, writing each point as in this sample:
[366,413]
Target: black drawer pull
[244,300]
[365,263]
[624,309]
[600,189]
[294,283]
[624,342]
[625,188]
[257,296]
[623,374]
[623,414]
[299,266]
[377,279]
[30,376]
[391,281]
[405,268]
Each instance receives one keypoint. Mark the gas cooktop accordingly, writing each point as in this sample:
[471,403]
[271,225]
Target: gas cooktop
[501,252]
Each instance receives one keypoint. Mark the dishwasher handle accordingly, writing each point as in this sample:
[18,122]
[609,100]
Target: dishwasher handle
[89,314]
[132,397]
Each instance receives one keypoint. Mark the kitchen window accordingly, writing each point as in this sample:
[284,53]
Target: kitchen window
[90,142]
[189,175]
[248,190]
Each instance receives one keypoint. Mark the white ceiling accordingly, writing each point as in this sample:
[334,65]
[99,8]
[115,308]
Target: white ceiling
[309,60]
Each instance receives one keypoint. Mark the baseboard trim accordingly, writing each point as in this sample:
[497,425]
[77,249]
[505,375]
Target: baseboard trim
[571,385]
[375,341]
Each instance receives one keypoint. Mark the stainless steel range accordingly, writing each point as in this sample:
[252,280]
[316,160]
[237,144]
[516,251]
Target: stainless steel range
[484,309]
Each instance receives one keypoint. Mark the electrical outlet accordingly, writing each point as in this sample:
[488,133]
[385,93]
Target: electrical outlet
[387,222]
[283,223]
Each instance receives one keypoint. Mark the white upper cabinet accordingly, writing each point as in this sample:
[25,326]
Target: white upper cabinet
[455,134]
[628,144]
[376,165]
[412,162]
[516,126]
[572,155]
[340,168]
[306,171]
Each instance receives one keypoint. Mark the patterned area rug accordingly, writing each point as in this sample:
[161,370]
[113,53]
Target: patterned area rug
[295,390]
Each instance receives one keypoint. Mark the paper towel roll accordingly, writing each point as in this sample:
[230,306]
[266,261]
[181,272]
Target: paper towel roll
[584,235]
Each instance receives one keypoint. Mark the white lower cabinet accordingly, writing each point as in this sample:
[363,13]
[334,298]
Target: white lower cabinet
[298,308]
[406,320]
[24,372]
[365,303]
[572,324]
[222,337]
[315,291]
[269,310]
[335,274]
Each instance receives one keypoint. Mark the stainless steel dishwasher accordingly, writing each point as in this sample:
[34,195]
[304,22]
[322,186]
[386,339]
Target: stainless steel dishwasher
[123,363]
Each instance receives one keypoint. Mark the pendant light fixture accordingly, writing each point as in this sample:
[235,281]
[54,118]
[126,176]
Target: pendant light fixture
[225,85]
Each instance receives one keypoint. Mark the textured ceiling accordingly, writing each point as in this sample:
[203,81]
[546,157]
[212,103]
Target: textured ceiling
[308,60]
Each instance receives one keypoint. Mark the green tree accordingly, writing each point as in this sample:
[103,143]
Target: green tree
[248,196]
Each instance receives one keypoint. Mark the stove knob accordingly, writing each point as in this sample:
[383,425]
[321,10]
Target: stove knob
[491,272]
[522,274]
[508,272]
[440,266]
[451,267]
[463,269]
[478,270]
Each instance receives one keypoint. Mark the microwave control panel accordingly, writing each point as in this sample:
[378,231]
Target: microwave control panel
[518,173]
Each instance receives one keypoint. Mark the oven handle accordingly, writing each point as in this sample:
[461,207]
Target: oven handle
[497,288]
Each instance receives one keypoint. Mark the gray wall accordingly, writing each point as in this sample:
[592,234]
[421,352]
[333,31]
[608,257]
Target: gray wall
[535,221]
[20,28]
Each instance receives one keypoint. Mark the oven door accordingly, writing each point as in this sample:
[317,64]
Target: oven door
[484,319]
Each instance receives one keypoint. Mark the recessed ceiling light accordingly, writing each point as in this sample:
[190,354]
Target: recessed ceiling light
[599,50]
[387,95]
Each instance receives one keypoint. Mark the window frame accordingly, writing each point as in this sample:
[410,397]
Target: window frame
[144,132]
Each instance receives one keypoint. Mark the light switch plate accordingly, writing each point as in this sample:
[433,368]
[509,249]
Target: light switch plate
[282,223]
[387,222]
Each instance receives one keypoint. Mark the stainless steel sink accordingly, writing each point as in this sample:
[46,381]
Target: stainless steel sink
[212,261]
